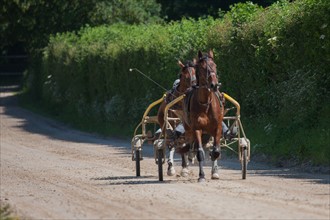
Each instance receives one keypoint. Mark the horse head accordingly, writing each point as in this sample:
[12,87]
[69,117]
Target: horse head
[187,74]
[207,71]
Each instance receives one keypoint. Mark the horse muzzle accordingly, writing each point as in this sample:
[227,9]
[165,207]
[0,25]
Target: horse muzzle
[214,86]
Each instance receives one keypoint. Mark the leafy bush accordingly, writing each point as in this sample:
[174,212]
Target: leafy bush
[89,70]
[6,212]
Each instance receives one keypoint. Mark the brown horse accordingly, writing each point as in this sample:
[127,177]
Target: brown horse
[203,112]
[187,80]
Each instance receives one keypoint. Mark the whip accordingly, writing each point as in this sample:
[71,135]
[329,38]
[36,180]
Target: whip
[137,70]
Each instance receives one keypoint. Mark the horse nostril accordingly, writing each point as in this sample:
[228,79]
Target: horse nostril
[214,86]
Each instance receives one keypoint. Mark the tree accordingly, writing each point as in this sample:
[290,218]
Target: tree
[175,10]
[127,11]
[30,22]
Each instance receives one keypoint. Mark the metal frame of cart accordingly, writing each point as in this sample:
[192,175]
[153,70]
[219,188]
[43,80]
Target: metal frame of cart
[232,119]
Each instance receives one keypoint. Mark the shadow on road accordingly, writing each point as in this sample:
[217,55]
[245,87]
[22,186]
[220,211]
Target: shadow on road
[294,174]
[130,180]
[38,124]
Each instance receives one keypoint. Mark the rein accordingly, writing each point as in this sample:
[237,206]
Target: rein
[192,78]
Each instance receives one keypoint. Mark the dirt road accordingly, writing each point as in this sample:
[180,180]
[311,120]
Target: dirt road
[49,171]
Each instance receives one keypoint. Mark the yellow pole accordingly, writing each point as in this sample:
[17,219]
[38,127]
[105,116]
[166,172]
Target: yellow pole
[238,107]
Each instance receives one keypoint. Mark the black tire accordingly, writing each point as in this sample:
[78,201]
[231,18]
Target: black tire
[244,162]
[160,164]
[137,162]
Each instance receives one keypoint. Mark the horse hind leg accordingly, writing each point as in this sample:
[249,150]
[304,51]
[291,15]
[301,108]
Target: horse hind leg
[183,151]
[170,162]
[185,170]
[192,154]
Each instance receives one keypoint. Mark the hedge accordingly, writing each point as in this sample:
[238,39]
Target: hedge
[274,61]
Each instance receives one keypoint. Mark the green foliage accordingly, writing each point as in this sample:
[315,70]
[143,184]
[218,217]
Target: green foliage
[127,11]
[88,71]
[277,65]
[31,22]
[241,13]
[176,10]
[6,212]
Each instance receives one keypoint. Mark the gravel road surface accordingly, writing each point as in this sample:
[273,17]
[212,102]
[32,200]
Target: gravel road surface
[51,171]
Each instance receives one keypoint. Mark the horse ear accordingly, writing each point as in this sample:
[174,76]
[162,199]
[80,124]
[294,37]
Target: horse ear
[211,53]
[200,54]
[180,64]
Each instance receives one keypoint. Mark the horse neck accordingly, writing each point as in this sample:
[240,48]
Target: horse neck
[204,95]
[182,88]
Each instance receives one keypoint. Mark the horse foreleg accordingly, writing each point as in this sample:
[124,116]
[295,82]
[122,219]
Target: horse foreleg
[200,155]
[170,162]
[214,172]
[215,154]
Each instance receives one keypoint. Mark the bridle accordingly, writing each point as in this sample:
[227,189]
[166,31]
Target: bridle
[192,76]
[210,72]
[190,67]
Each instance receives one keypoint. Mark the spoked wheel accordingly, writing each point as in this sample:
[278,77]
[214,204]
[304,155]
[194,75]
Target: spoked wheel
[137,162]
[244,162]
[160,164]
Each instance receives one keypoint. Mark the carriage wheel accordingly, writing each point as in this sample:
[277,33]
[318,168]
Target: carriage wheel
[244,162]
[137,162]
[160,164]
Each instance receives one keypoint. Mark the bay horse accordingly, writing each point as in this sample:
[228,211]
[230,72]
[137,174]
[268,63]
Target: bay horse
[203,112]
[187,81]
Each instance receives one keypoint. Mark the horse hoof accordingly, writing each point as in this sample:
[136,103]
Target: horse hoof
[171,171]
[184,172]
[201,180]
[215,176]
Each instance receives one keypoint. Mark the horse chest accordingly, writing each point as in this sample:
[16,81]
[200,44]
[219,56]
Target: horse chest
[203,121]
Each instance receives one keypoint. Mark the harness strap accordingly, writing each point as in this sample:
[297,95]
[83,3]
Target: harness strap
[219,95]
[186,106]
